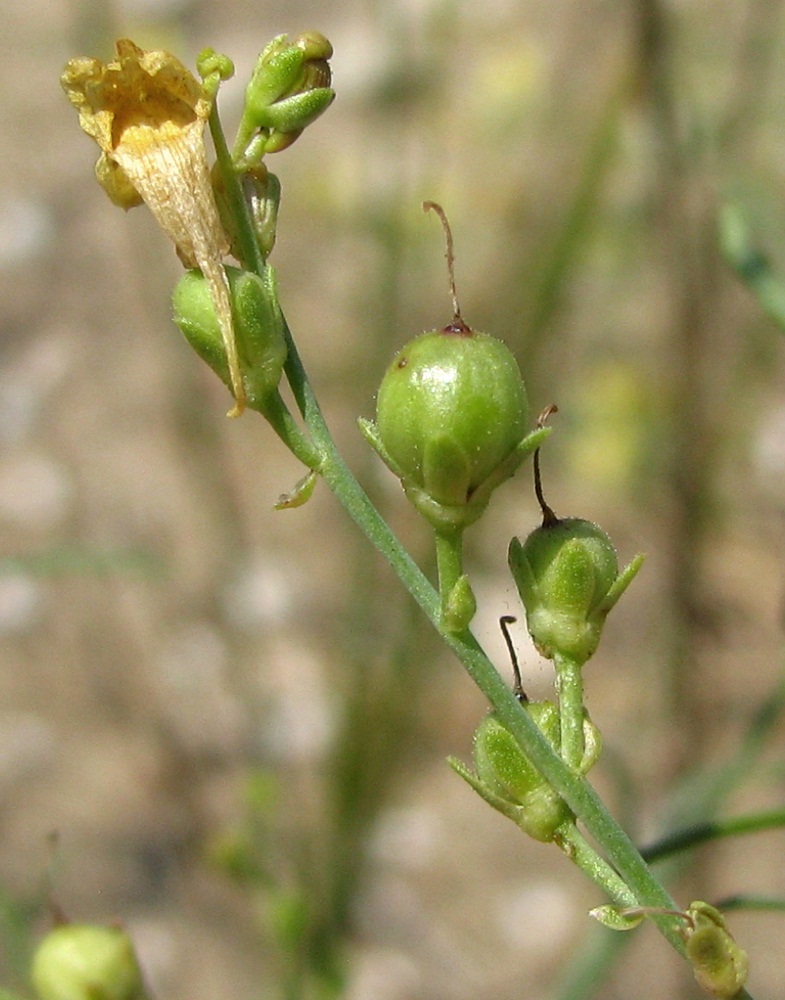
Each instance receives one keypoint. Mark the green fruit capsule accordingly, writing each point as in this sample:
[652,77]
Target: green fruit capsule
[451,416]
[501,764]
[567,575]
[451,408]
[506,778]
[86,962]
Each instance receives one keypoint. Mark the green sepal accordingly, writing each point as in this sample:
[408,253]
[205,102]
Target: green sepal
[293,114]
[500,762]
[277,70]
[457,516]
[539,815]
[622,581]
[370,432]
[264,195]
[445,470]
[301,494]
[262,190]
[258,328]
[501,804]
[592,745]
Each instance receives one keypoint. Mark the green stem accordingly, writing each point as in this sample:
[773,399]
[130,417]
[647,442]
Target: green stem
[449,564]
[574,789]
[569,687]
[581,853]
[275,410]
[250,255]
[700,833]
[449,559]
[767,903]
[277,414]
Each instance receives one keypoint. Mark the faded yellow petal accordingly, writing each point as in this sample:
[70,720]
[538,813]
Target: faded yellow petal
[112,178]
[138,86]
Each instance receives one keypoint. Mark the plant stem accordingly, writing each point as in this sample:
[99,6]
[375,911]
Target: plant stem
[581,853]
[645,889]
[767,903]
[250,255]
[569,687]
[449,564]
[277,414]
[275,410]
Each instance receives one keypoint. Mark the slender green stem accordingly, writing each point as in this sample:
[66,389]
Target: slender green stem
[581,853]
[583,800]
[280,419]
[248,247]
[275,410]
[749,902]
[449,563]
[569,687]
[645,889]
[700,833]
[449,559]
[245,132]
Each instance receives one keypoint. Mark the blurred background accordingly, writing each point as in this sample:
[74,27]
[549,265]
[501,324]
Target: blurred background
[226,726]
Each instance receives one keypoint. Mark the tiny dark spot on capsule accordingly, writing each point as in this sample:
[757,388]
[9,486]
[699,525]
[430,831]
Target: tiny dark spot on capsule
[402,362]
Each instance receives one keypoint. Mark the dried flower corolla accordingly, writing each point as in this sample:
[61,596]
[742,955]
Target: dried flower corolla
[148,114]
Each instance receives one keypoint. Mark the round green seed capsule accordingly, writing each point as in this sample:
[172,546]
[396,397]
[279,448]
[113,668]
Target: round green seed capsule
[86,962]
[450,409]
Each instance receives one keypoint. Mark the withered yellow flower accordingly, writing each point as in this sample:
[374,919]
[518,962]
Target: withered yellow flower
[148,114]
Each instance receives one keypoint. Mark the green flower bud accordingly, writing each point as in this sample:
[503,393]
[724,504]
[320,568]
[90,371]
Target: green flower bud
[84,962]
[450,416]
[460,606]
[567,576]
[289,88]
[719,964]
[258,328]
[263,193]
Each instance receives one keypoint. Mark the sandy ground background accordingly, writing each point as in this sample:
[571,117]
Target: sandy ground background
[182,669]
